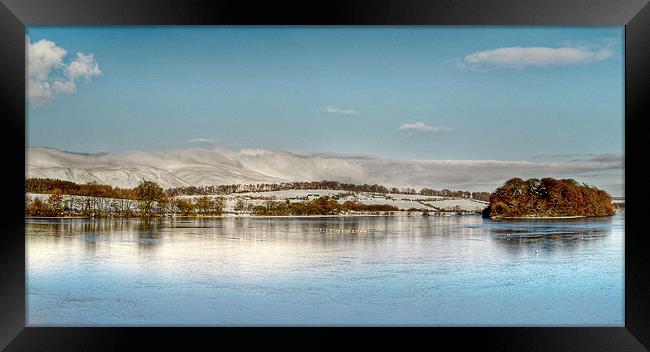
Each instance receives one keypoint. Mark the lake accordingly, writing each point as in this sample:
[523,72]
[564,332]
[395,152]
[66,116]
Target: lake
[395,270]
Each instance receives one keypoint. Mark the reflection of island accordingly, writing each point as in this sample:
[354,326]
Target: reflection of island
[548,197]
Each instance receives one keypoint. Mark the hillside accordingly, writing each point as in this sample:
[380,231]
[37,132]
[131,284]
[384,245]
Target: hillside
[168,169]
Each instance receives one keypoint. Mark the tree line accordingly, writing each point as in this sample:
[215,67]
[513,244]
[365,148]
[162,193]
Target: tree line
[329,185]
[318,206]
[92,189]
[148,199]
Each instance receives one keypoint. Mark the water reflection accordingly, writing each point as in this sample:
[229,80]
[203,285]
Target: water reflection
[235,245]
[151,233]
[460,270]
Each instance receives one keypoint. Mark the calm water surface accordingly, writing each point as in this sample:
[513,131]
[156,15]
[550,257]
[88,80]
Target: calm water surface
[461,270]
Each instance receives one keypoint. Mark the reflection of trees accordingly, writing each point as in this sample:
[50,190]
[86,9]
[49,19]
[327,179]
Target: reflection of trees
[351,232]
[146,232]
[519,237]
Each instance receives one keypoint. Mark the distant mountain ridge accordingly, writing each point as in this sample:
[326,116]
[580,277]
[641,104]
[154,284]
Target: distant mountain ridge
[126,170]
[225,166]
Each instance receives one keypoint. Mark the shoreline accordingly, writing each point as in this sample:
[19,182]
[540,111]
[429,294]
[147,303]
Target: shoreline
[403,213]
[400,214]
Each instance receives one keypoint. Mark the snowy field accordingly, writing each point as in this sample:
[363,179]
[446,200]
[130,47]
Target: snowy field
[291,194]
[401,201]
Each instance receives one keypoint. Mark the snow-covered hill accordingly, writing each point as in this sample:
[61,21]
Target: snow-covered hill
[203,167]
[169,169]
[188,167]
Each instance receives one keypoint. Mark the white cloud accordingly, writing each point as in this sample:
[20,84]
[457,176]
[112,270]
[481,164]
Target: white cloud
[422,127]
[203,141]
[535,56]
[42,57]
[48,75]
[334,110]
[64,87]
[83,68]
[39,93]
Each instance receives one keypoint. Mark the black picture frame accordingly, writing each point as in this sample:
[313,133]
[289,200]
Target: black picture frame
[15,15]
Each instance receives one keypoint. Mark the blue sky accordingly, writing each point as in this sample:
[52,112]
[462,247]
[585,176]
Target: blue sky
[478,93]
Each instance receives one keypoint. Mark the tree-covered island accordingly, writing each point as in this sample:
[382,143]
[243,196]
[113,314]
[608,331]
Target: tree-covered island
[547,197]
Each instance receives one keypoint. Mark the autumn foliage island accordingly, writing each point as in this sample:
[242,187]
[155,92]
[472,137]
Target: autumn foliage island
[548,197]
